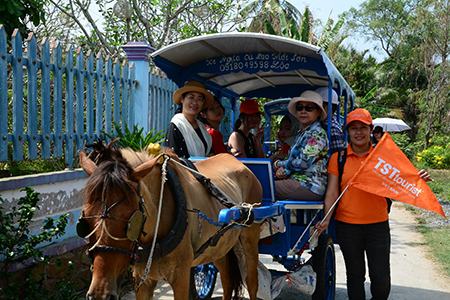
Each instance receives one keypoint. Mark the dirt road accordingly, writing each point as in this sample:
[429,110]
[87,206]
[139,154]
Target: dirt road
[414,275]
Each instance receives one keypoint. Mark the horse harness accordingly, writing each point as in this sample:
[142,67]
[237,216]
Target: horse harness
[133,230]
[247,216]
[135,224]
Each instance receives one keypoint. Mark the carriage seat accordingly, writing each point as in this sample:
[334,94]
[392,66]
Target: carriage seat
[270,207]
[262,168]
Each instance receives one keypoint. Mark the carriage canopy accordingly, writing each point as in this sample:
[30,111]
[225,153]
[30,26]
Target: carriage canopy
[250,65]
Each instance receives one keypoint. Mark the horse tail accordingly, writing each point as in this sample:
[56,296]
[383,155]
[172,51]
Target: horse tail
[235,275]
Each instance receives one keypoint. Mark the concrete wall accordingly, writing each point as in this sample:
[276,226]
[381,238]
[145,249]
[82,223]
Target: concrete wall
[60,192]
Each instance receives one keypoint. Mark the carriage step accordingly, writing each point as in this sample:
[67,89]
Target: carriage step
[228,215]
[234,214]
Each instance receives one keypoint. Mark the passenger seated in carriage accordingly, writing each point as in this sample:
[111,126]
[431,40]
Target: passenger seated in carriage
[303,175]
[242,142]
[211,117]
[187,135]
[285,136]
[337,140]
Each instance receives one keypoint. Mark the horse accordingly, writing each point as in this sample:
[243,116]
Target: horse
[126,194]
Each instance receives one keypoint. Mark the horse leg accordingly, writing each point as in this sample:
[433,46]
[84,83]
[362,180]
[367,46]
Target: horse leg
[249,241]
[225,274]
[146,290]
[180,283]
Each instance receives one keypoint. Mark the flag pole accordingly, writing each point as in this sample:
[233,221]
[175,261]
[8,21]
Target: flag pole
[329,211]
[349,183]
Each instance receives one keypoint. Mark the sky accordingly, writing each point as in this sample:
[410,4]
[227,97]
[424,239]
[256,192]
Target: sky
[321,9]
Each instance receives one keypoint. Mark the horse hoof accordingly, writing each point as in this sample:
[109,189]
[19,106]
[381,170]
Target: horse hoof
[107,297]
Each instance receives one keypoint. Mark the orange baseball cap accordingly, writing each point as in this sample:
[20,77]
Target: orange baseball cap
[359,114]
[249,107]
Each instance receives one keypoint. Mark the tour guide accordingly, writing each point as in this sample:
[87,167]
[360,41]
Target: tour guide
[362,226]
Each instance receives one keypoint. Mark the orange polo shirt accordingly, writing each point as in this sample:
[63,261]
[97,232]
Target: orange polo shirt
[357,206]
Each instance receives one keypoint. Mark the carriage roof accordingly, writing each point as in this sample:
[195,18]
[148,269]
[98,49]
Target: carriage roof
[250,65]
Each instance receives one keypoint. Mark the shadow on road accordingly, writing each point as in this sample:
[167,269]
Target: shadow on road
[397,293]
[411,293]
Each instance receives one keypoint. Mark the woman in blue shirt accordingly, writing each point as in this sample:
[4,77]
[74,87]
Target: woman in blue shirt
[303,175]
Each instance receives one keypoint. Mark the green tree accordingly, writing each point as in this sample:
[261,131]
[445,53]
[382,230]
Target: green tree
[159,22]
[20,13]
[363,73]
[274,13]
[281,18]
[433,24]
[415,36]
[383,21]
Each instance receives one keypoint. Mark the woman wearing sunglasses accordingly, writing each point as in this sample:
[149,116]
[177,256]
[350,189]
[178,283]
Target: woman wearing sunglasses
[303,175]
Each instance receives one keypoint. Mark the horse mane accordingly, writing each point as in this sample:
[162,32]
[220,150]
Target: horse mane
[113,172]
[115,168]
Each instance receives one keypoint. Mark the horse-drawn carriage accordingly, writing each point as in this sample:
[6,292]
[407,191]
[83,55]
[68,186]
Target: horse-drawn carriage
[234,65]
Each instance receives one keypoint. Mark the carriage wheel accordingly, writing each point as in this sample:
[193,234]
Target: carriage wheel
[203,281]
[324,264]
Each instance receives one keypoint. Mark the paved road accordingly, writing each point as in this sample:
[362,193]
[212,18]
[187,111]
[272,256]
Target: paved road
[414,275]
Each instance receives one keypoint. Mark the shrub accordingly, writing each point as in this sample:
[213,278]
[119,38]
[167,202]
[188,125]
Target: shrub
[436,157]
[136,139]
[404,142]
[18,245]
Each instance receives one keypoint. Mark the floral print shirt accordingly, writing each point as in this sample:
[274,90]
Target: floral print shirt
[308,159]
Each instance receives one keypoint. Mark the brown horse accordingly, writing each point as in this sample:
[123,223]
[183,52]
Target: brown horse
[111,219]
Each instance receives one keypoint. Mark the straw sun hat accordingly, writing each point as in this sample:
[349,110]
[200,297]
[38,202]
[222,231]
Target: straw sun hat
[308,96]
[193,86]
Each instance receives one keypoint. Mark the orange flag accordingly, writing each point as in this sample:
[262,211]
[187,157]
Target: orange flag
[387,172]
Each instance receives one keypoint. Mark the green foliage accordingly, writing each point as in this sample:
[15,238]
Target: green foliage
[403,141]
[18,244]
[360,70]
[330,32]
[136,139]
[15,14]
[436,157]
[371,102]
[16,241]
[440,185]
[26,167]
[272,16]
[305,31]
[414,77]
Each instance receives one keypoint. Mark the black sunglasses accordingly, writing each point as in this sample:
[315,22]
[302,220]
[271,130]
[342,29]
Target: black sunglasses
[308,108]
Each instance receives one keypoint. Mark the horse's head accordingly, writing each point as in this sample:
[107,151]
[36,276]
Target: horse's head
[113,217]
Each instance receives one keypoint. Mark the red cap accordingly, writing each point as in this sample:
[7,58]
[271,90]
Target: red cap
[249,107]
[359,114]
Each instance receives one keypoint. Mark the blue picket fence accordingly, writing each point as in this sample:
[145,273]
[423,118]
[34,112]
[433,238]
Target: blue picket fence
[51,106]
[161,107]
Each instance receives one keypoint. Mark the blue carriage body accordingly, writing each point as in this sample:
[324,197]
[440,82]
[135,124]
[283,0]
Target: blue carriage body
[234,65]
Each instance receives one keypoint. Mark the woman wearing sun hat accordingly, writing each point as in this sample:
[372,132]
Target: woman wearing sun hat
[187,135]
[303,175]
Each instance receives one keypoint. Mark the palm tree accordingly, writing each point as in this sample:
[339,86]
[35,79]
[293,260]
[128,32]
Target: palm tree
[283,19]
[272,12]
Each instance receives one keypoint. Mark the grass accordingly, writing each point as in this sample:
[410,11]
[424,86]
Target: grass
[439,241]
[438,237]
[440,184]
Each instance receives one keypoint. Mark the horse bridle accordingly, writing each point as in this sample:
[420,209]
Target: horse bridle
[134,229]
